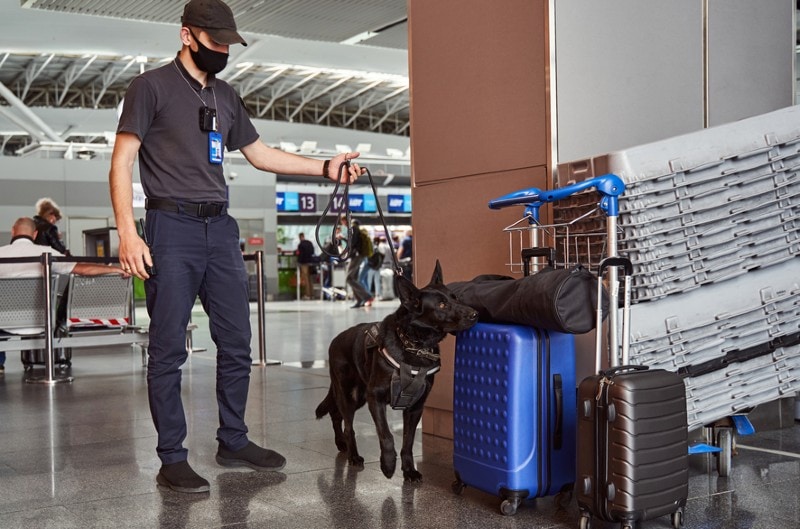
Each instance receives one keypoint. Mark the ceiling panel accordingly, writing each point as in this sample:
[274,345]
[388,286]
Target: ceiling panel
[322,20]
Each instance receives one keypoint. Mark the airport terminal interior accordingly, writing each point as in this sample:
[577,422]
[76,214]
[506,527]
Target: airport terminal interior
[699,119]
[82,454]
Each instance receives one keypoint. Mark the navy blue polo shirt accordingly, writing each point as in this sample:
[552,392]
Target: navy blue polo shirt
[162,108]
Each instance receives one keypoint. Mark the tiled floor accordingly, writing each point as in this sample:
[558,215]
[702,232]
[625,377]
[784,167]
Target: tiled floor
[82,455]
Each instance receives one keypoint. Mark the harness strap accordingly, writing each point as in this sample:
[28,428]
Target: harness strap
[397,364]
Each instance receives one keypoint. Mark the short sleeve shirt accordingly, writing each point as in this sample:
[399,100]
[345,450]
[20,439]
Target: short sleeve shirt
[162,107]
[24,247]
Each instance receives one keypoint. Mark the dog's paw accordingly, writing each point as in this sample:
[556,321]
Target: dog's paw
[357,461]
[412,476]
[388,465]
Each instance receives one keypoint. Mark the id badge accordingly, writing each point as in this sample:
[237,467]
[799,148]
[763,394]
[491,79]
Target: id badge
[215,147]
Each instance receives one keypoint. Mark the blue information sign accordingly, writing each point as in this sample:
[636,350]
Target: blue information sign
[399,203]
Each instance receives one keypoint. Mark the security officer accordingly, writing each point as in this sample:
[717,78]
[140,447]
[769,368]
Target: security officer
[177,118]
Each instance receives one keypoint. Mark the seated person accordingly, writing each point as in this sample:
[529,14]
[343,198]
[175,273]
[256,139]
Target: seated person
[23,234]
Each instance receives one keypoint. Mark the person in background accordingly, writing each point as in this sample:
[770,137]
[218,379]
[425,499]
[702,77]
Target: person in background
[306,260]
[385,280]
[356,259]
[405,254]
[23,235]
[47,215]
[179,119]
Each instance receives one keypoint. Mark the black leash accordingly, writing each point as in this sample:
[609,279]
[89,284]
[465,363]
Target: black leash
[345,213]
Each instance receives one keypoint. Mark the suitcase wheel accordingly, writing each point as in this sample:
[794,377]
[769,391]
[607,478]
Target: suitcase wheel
[509,506]
[586,521]
[677,519]
[458,486]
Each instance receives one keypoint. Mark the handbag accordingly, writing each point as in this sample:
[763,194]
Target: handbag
[556,299]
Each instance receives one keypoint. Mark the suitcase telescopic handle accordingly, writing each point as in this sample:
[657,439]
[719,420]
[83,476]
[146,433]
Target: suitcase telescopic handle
[619,262]
[530,253]
[627,266]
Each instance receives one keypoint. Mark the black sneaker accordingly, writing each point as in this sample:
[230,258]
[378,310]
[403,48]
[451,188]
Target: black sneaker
[181,478]
[252,456]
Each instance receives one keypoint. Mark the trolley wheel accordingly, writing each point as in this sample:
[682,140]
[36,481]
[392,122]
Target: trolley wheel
[563,499]
[458,486]
[586,521]
[725,442]
[509,506]
[677,519]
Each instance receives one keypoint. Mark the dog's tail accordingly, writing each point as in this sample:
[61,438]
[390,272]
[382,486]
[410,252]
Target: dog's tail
[326,405]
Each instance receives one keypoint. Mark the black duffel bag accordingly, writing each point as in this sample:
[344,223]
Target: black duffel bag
[556,299]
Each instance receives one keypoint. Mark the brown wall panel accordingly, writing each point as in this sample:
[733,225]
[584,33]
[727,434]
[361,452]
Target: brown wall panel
[478,73]
[453,223]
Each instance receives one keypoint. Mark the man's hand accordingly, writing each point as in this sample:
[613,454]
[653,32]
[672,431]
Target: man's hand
[353,171]
[133,255]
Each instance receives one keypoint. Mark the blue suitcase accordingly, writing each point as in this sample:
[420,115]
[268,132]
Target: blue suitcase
[514,412]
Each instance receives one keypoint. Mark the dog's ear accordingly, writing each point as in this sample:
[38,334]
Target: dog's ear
[437,278]
[407,292]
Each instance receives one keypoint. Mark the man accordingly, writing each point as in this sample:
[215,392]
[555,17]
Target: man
[305,260]
[23,233]
[177,118]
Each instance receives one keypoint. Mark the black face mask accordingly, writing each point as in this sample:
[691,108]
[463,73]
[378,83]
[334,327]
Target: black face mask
[206,59]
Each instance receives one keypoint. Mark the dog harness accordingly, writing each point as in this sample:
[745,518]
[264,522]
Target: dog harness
[408,383]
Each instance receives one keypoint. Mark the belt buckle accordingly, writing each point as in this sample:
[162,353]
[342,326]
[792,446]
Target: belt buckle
[207,210]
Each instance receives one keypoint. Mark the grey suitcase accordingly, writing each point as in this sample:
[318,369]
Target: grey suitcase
[633,449]
[632,446]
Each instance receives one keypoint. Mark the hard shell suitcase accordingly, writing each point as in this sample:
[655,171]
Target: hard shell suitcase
[36,357]
[633,449]
[514,412]
[632,446]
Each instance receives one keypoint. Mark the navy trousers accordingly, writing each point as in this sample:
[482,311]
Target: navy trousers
[196,256]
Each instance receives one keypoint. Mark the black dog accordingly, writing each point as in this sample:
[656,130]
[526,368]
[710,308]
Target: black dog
[367,360]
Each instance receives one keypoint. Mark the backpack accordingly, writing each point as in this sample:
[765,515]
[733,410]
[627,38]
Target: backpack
[366,244]
[375,261]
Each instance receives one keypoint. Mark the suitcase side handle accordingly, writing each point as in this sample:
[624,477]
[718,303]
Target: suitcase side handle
[611,372]
[558,399]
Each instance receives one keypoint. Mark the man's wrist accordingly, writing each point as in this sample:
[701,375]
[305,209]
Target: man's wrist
[325,165]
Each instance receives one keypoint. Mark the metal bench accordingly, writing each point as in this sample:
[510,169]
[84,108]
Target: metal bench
[98,309]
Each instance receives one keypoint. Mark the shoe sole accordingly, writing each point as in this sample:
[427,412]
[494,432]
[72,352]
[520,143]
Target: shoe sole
[242,463]
[162,481]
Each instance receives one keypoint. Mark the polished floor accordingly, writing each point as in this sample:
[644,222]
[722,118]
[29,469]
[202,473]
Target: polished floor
[82,454]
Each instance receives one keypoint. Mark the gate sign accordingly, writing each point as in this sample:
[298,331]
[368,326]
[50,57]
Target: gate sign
[399,203]
[308,202]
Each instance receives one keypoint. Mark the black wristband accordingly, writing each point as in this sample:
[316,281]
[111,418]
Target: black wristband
[325,165]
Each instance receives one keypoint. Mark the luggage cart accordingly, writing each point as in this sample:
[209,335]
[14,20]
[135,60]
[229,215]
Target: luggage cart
[585,237]
[601,431]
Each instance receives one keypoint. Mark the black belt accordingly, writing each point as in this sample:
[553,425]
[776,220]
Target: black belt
[211,209]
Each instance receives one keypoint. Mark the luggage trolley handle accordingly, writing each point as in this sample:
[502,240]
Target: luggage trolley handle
[627,267]
[609,186]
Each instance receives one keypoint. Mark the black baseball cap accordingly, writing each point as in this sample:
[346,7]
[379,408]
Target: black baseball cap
[215,17]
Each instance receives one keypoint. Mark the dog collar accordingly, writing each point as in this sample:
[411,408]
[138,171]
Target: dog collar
[408,346]
[396,364]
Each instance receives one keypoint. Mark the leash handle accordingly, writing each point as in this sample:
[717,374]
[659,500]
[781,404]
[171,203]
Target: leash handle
[344,212]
